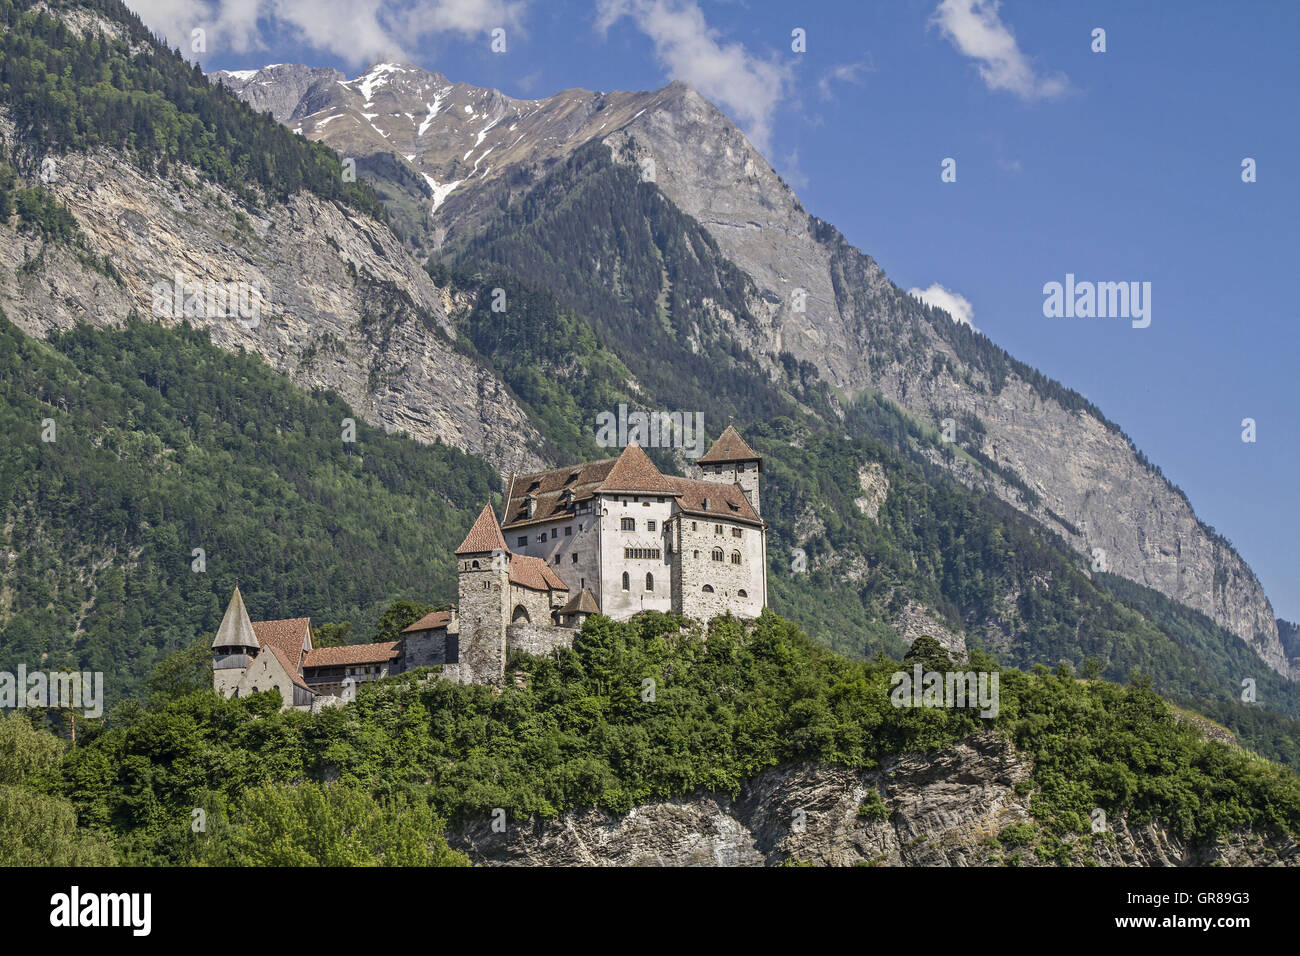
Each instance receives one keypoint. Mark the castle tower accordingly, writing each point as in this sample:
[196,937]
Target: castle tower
[234,648]
[731,461]
[483,566]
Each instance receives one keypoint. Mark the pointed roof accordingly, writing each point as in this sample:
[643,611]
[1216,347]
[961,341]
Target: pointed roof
[635,473]
[484,536]
[236,630]
[584,602]
[729,447]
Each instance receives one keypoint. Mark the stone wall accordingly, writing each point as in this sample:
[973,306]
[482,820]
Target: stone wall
[482,596]
[426,649]
[538,640]
[537,604]
[694,569]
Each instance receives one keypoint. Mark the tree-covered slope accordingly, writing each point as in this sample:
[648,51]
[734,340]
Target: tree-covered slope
[162,444]
[580,729]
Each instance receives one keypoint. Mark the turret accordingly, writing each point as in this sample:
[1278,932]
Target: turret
[732,461]
[235,646]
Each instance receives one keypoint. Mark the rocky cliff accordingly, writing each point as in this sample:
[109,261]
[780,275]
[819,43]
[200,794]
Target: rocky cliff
[958,807]
[340,304]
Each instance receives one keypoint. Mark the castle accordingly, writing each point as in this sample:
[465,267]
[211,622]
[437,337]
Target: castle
[611,537]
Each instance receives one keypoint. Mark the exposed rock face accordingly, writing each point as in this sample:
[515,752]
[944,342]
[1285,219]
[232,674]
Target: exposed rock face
[1084,472]
[279,88]
[943,809]
[817,297]
[915,620]
[875,489]
[342,305]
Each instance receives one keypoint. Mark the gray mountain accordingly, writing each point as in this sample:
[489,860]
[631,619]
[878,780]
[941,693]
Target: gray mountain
[444,155]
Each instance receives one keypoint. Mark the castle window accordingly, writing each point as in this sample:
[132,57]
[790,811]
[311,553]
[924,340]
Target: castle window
[649,582]
[696,554]
[522,540]
[717,529]
[627,582]
[568,531]
[736,532]
[651,526]
[629,524]
[554,533]
[575,557]
[707,589]
[717,554]
[474,565]
[742,593]
[694,526]
[735,557]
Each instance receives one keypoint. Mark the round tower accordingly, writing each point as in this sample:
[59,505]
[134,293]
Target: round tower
[234,648]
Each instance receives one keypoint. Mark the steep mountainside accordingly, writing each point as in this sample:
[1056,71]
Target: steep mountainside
[477,151]
[333,298]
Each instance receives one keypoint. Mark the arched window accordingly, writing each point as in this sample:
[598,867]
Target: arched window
[627,582]
[520,616]
[735,557]
[742,593]
[649,582]
[717,554]
[708,589]
[474,565]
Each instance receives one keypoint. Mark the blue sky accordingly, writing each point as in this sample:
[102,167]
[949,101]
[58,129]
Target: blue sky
[1115,166]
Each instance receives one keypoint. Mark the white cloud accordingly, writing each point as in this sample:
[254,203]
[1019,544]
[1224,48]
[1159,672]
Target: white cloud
[692,51]
[359,31]
[976,30]
[954,303]
[844,73]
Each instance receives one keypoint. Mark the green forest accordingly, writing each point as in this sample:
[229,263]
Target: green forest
[164,444]
[576,729]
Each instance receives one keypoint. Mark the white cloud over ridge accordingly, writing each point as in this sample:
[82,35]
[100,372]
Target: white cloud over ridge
[690,50]
[359,31]
[977,31]
[955,304]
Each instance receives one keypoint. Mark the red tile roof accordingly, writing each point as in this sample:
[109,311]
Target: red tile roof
[548,490]
[534,574]
[430,622]
[288,635]
[484,536]
[635,473]
[729,447]
[725,501]
[352,654]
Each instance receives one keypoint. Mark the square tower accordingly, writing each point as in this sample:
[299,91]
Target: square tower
[483,579]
